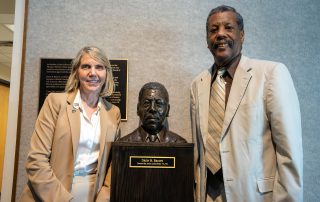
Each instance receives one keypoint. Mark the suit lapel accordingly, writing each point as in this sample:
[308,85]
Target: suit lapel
[240,83]
[203,96]
[104,120]
[74,120]
[105,137]
[105,143]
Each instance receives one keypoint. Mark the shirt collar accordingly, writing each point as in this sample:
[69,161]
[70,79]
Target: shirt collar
[77,104]
[231,70]
[147,137]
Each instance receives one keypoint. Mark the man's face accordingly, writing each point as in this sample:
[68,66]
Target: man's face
[152,109]
[224,37]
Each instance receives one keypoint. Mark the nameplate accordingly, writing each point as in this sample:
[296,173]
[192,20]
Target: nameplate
[152,162]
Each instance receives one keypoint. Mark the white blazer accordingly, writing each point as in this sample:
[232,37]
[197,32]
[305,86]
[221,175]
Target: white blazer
[261,143]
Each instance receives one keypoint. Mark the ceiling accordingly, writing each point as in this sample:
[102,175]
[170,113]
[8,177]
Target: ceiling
[6,37]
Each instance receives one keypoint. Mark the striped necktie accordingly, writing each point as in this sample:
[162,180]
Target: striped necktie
[215,122]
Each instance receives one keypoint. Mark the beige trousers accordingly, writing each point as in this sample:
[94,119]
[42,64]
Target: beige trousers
[83,188]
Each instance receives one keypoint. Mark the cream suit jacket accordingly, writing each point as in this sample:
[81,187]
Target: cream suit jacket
[54,143]
[261,143]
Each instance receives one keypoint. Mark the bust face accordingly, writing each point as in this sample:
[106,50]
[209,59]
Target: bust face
[152,109]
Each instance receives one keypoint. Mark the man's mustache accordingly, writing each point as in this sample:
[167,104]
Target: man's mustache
[216,44]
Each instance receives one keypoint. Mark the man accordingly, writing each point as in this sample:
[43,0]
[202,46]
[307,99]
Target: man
[246,122]
[153,108]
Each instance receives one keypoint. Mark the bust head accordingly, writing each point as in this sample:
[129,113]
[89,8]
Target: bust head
[153,107]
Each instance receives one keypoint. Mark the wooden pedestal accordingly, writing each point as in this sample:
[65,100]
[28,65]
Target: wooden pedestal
[152,172]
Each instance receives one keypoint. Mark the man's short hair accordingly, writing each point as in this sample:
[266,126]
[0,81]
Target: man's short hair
[224,8]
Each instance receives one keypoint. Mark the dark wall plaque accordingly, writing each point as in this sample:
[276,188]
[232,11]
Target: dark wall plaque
[55,73]
[120,78]
[54,76]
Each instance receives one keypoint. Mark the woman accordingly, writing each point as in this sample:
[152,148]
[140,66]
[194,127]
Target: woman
[70,146]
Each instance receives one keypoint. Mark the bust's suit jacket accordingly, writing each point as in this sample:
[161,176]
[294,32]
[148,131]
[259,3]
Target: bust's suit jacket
[261,143]
[165,136]
[54,143]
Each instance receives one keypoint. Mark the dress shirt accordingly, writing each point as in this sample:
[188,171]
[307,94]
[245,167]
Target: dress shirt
[89,142]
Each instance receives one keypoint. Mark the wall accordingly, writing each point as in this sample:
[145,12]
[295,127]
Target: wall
[165,41]
[5,73]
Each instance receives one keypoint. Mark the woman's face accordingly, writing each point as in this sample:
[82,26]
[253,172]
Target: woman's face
[92,75]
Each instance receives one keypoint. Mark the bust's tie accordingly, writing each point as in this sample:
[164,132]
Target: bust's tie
[215,122]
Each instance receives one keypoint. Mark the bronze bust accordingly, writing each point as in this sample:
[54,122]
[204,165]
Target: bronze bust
[153,109]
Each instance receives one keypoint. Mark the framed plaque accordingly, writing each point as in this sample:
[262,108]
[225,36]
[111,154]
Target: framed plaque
[120,78]
[54,76]
[55,73]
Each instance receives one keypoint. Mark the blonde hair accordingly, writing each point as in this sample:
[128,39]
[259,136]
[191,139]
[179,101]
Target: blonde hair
[97,54]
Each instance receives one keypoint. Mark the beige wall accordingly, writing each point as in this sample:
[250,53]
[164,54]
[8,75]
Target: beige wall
[5,73]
